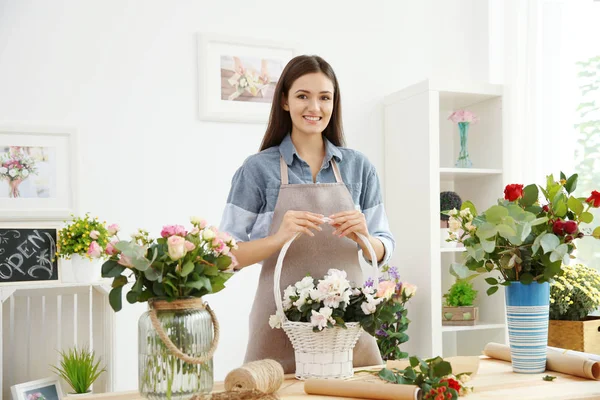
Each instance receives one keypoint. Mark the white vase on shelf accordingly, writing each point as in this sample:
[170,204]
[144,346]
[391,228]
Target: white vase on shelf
[85,270]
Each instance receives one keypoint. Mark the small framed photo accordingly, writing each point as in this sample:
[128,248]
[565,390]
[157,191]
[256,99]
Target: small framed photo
[238,76]
[37,173]
[43,389]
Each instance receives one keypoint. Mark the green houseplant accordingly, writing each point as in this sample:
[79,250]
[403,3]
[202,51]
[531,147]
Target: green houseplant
[459,309]
[79,368]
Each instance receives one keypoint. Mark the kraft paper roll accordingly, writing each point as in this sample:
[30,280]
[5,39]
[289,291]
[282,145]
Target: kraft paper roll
[557,361]
[264,375]
[361,390]
[460,364]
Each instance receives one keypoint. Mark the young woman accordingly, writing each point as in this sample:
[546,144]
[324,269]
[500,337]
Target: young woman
[301,175]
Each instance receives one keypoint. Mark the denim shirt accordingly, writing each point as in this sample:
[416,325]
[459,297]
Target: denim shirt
[255,188]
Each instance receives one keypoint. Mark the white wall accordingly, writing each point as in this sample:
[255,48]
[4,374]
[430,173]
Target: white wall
[123,73]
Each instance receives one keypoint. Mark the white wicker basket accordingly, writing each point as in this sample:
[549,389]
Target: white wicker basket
[326,354]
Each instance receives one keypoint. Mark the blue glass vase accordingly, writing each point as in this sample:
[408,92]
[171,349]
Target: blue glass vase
[463,157]
[527,309]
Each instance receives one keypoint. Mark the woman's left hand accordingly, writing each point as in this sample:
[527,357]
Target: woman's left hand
[348,223]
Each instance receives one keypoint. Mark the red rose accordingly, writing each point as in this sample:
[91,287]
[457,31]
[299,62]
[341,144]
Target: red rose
[558,227]
[546,208]
[453,384]
[594,199]
[570,227]
[513,192]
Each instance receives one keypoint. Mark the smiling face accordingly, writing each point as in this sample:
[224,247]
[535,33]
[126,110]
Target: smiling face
[310,103]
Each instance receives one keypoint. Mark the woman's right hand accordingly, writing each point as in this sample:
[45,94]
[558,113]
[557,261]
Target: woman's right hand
[298,221]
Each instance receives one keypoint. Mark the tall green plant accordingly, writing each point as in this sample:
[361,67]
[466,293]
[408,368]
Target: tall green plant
[79,368]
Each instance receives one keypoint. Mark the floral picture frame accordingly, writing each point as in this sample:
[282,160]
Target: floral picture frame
[42,389]
[237,76]
[37,172]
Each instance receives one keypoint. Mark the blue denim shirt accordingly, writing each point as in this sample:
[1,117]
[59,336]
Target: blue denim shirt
[255,188]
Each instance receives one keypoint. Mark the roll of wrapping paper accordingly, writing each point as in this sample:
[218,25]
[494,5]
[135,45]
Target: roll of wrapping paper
[557,361]
[361,390]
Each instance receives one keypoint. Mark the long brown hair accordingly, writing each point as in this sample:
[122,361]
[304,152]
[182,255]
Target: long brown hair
[280,122]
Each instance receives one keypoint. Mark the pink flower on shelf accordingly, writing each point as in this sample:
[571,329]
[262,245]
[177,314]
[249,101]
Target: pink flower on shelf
[170,230]
[94,250]
[463,116]
[111,249]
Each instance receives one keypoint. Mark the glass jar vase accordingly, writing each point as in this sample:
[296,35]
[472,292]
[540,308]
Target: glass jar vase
[176,344]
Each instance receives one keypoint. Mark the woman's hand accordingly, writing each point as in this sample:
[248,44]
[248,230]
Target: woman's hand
[298,221]
[348,223]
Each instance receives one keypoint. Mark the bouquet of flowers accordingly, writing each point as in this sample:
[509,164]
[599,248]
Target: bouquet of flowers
[520,238]
[333,301]
[85,236]
[393,321]
[575,294]
[434,376]
[180,263]
[463,116]
[15,166]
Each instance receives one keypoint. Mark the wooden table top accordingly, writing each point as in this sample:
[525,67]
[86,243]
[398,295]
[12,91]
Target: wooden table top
[494,380]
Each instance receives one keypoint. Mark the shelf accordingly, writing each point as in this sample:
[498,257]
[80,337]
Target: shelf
[466,173]
[472,328]
[452,249]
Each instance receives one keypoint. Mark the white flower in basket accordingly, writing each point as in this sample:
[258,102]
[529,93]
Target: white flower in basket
[322,319]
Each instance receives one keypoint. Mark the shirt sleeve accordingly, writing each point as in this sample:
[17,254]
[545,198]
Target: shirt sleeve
[244,203]
[374,211]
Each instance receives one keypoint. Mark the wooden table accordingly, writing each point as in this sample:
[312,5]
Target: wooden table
[495,380]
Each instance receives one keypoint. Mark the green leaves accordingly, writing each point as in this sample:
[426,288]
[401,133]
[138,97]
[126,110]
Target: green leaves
[188,267]
[79,368]
[111,269]
[114,298]
[495,214]
[586,217]
[596,233]
[491,290]
[467,204]
[549,242]
[530,195]
[575,205]
[571,184]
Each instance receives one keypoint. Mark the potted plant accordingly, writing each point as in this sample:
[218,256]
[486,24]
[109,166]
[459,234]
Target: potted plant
[448,201]
[83,241]
[79,368]
[459,309]
[179,333]
[524,242]
[573,296]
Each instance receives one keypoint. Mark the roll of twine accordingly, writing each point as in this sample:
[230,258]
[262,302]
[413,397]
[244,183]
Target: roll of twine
[183,304]
[264,375]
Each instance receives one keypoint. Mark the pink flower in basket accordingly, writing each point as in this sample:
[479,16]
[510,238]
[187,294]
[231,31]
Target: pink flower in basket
[463,116]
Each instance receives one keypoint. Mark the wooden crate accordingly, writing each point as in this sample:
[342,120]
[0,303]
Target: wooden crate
[576,335]
[459,316]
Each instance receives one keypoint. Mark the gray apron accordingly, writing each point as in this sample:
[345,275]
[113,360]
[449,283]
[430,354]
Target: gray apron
[307,255]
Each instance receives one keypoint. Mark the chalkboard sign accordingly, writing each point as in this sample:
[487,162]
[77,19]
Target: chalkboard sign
[28,255]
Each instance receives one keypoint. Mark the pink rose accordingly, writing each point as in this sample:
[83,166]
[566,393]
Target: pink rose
[94,250]
[170,230]
[111,250]
[176,246]
[195,230]
[409,290]
[189,246]
[113,229]
[125,261]
[386,289]
[94,234]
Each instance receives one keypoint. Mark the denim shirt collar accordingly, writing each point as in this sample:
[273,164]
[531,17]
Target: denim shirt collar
[287,150]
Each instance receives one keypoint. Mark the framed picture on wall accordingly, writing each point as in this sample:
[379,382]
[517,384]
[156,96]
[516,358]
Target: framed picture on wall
[237,76]
[37,173]
[42,389]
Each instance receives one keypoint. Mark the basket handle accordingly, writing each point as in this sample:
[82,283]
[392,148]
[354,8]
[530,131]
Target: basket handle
[279,265]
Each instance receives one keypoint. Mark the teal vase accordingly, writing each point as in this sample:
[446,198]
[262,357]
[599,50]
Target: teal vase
[463,157]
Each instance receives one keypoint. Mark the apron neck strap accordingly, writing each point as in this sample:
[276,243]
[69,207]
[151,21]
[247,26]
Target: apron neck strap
[284,171]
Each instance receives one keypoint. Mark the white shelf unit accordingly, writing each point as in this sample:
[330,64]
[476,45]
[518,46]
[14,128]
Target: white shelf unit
[421,147]
[38,319]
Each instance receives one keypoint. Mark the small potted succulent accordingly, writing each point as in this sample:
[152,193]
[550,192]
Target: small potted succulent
[79,368]
[459,309]
[448,201]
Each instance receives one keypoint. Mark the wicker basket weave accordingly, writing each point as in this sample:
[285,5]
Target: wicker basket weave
[326,354]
